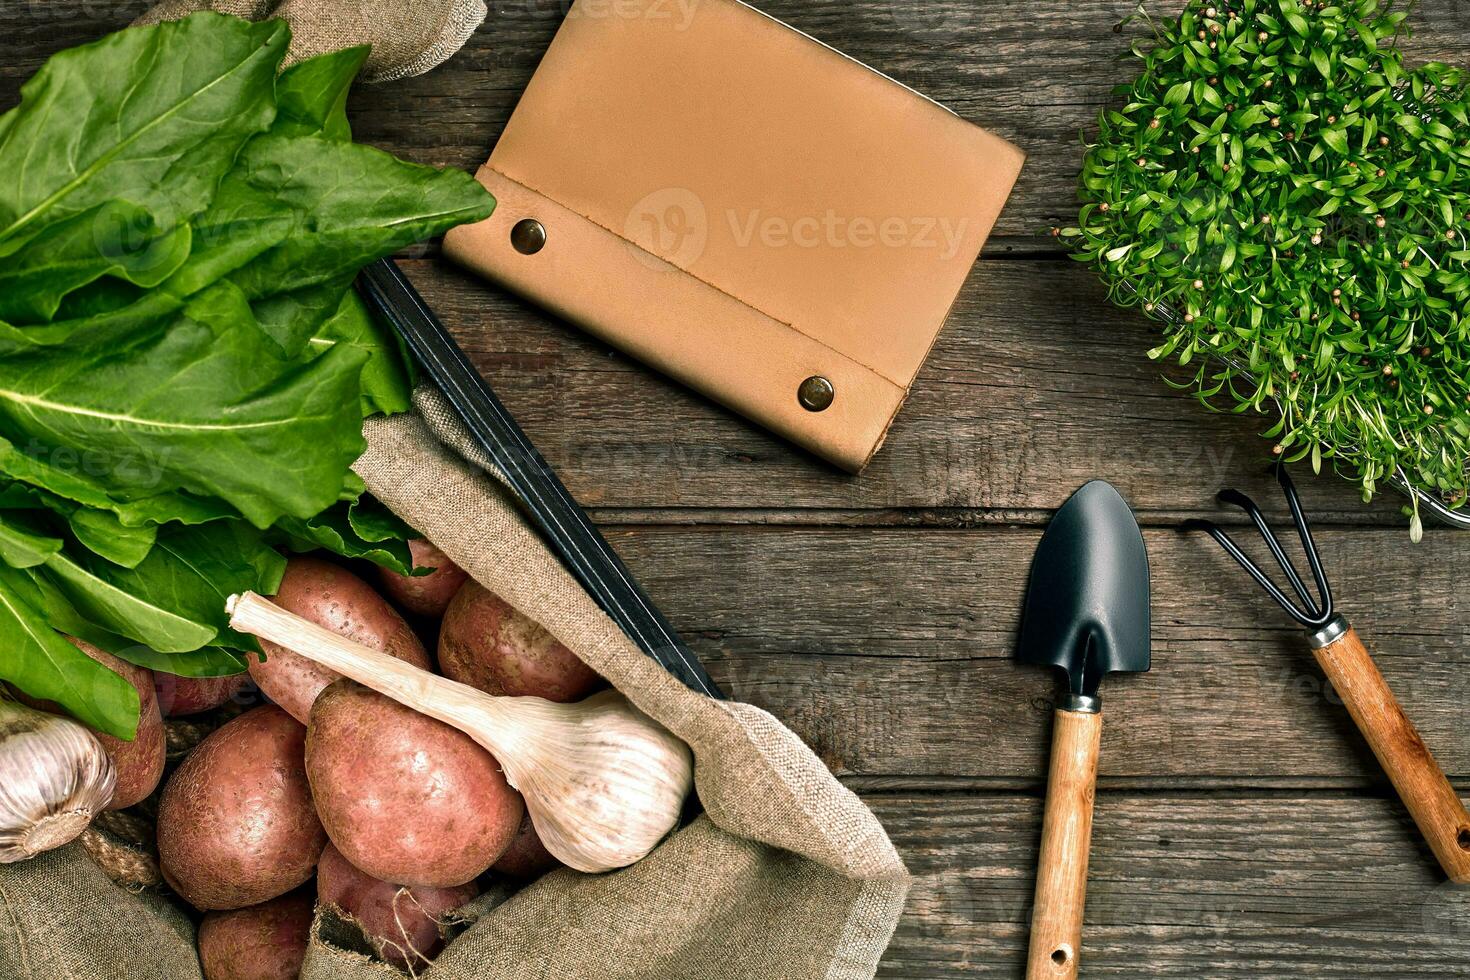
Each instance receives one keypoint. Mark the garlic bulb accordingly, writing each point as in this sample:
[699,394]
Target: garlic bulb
[603,782]
[585,769]
[54,778]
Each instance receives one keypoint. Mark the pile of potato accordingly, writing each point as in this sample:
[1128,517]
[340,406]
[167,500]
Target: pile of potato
[399,818]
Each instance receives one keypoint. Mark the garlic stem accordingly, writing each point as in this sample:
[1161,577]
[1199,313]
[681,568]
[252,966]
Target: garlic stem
[440,698]
[603,782]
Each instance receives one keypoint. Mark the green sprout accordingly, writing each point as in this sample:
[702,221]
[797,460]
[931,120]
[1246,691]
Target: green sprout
[1293,202]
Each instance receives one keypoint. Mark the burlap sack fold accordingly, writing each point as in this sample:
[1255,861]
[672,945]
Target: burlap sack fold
[409,37]
[786,876]
[61,918]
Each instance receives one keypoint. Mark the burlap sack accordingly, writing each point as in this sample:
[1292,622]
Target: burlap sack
[786,875]
[408,36]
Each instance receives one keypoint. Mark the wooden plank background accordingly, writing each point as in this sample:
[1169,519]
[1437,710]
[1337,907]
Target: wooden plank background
[1242,827]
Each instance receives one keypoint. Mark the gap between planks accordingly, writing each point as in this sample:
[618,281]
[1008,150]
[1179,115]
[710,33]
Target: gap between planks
[925,518]
[1264,787]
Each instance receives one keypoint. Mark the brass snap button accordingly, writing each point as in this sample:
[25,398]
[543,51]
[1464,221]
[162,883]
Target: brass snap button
[816,393]
[528,236]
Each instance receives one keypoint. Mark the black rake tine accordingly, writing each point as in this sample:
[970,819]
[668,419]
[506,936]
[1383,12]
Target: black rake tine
[1304,531]
[1262,579]
[1248,505]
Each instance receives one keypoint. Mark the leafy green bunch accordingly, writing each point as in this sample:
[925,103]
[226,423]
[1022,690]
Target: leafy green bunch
[1294,203]
[184,367]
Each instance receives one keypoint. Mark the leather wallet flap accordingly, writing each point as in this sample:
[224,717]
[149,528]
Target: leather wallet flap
[789,213]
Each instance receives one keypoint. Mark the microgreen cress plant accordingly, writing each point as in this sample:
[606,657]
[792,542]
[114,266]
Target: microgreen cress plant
[1294,203]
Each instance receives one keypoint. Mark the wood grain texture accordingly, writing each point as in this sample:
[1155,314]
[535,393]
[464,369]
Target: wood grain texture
[1243,829]
[1066,838]
[1034,387]
[1401,750]
[1036,74]
[889,649]
[1182,887]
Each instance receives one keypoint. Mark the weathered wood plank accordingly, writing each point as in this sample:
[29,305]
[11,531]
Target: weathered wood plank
[1036,74]
[1035,386]
[1182,887]
[889,650]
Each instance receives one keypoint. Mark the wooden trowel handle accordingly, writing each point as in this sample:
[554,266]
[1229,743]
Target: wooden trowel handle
[1066,838]
[1401,751]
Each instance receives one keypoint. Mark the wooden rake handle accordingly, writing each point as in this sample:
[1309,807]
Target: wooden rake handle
[1400,749]
[1066,840]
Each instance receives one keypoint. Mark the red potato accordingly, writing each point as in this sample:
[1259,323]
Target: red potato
[485,643]
[526,858]
[235,824]
[424,595]
[402,923]
[181,696]
[262,942]
[404,797]
[334,598]
[139,763]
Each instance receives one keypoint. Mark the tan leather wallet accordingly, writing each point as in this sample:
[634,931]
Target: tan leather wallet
[742,207]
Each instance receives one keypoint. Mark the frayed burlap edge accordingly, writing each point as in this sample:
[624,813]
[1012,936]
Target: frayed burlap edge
[407,38]
[756,780]
[786,875]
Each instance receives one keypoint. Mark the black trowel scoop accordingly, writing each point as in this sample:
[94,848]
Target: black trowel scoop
[1087,613]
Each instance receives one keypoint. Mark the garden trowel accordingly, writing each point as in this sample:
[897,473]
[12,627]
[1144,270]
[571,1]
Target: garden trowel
[1087,613]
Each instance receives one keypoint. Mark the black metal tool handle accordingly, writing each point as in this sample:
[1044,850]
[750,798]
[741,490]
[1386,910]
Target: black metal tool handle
[552,510]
